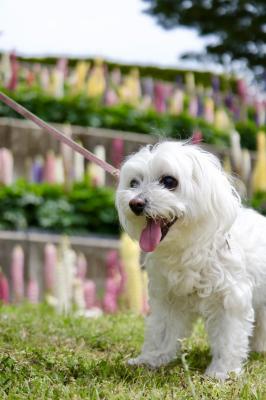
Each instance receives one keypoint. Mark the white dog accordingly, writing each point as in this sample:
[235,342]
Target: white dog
[206,254]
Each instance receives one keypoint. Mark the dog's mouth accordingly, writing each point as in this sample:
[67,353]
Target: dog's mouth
[154,232]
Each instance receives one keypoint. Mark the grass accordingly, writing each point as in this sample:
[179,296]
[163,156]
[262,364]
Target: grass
[46,356]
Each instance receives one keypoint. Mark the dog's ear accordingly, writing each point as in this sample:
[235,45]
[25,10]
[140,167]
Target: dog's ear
[220,198]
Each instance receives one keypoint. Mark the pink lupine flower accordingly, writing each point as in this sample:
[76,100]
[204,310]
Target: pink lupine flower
[6,166]
[160,97]
[50,260]
[117,151]
[12,84]
[50,168]
[81,266]
[110,298]
[89,293]
[33,291]
[197,136]
[113,283]
[4,288]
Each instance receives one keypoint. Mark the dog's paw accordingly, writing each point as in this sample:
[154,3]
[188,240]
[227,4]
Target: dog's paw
[135,361]
[220,375]
[151,360]
[217,371]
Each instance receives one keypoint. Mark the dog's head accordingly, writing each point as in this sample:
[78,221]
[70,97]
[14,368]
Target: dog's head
[170,187]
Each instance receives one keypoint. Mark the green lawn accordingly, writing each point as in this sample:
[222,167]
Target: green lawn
[46,356]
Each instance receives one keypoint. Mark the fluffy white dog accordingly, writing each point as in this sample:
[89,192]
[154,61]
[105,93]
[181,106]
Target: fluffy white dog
[206,254]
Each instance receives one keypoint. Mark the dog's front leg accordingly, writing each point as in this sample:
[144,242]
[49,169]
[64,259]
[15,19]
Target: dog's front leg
[229,328]
[164,326]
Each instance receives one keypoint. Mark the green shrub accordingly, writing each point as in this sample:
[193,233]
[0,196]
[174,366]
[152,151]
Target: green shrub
[248,133]
[80,110]
[258,202]
[83,209]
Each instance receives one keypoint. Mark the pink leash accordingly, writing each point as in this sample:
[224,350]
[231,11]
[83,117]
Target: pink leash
[59,135]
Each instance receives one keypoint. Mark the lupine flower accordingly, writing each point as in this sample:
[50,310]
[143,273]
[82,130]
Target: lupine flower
[6,166]
[81,266]
[196,137]
[17,273]
[246,166]
[96,82]
[112,284]
[50,260]
[236,151]
[89,293]
[130,254]
[79,167]
[82,69]
[78,294]
[33,291]
[190,82]
[99,174]
[50,167]
[4,288]
[160,97]
[209,110]
[12,84]
[59,170]
[37,170]
[259,171]
[117,151]
[177,102]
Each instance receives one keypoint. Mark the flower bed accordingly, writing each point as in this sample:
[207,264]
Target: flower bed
[204,78]
[100,95]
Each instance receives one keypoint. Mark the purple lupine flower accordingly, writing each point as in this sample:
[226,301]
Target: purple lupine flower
[200,109]
[215,83]
[37,170]
[147,87]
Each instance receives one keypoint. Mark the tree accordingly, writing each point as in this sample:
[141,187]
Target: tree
[239,26]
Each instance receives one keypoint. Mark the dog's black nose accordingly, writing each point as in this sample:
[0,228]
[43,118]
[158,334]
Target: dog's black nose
[137,205]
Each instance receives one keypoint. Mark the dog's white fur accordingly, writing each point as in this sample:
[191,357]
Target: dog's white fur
[212,262]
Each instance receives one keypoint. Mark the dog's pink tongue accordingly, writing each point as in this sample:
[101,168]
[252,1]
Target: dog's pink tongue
[150,236]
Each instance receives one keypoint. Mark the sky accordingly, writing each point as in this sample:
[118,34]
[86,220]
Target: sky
[113,29]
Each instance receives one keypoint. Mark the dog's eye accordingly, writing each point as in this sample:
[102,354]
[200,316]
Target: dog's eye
[169,182]
[134,183]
